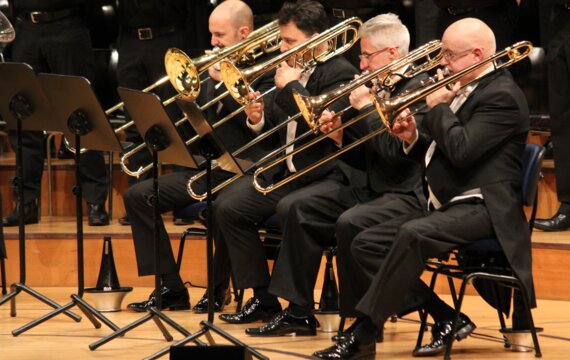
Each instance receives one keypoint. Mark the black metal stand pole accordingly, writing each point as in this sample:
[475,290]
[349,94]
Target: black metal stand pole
[76,299]
[21,108]
[2,253]
[154,312]
[209,325]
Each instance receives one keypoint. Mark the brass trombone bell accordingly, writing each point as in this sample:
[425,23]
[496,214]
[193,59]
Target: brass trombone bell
[7,32]
[312,106]
[337,38]
[389,108]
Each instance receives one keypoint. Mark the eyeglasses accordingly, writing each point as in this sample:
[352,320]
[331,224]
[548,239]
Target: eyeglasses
[368,56]
[450,55]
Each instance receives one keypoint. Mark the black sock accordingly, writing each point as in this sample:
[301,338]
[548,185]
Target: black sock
[173,281]
[564,208]
[365,332]
[299,311]
[439,310]
[267,300]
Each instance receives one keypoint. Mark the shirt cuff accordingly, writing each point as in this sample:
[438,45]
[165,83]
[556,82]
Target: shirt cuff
[256,128]
[408,148]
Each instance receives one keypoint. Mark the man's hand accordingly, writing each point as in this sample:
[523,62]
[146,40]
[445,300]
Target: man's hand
[285,74]
[405,127]
[254,110]
[215,73]
[443,95]
[360,97]
[331,122]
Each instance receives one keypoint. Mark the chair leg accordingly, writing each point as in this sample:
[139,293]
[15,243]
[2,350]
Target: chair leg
[181,248]
[537,352]
[423,327]
[341,325]
[449,344]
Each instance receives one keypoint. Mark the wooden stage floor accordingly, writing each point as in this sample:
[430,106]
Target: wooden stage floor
[61,338]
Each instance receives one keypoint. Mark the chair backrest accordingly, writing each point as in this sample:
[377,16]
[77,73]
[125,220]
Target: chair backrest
[531,166]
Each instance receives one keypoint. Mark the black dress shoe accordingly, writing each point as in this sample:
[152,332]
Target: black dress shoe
[441,334]
[220,299]
[558,222]
[97,215]
[124,220]
[284,324]
[171,300]
[30,215]
[349,348]
[252,311]
[345,334]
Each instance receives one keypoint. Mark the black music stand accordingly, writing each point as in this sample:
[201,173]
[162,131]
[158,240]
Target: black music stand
[24,106]
[79,116]
[211,148]
[161,135]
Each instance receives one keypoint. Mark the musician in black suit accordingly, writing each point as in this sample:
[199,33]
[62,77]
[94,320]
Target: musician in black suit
[52,37]
[392,192]
[240,209]
[148,28]
[556,35]
[471,143]
[229,22]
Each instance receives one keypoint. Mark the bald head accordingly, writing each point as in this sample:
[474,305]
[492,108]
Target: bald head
[236,12]
[230,22]
[470,33]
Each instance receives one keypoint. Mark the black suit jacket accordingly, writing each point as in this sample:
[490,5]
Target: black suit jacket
[387,168]
[234,133]
[325,77]
[481,146]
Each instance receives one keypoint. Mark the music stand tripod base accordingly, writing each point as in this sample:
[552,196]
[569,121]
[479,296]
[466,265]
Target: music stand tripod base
[78,115]
[24,106]
[160,136]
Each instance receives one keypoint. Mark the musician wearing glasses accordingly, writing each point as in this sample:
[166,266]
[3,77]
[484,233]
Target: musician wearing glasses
[230,22]
[470,142]
[391,192]
[240,209]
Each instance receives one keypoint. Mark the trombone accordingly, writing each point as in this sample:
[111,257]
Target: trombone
[184,74]
[305,55]
[389,108]
[312,106]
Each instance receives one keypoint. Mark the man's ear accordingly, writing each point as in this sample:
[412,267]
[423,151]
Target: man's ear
[244,31]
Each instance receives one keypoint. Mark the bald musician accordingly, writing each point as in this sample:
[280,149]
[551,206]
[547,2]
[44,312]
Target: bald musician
[471,143]
[230,22]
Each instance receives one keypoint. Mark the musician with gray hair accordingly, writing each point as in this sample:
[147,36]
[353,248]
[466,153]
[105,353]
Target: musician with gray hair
[470,142]
[392,190]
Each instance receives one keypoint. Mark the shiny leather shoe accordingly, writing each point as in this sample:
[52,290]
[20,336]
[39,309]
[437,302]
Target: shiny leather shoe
[97,215]
[559,222]
[284,324]
[30,215]
[349,348]
[345,334]
[171,300]
[441,334]
[219,301]
[252,311]
[125,220]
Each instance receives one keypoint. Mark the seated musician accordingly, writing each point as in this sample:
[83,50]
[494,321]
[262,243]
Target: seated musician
[391,193]
[471,143]
[239,209]
[229,22]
